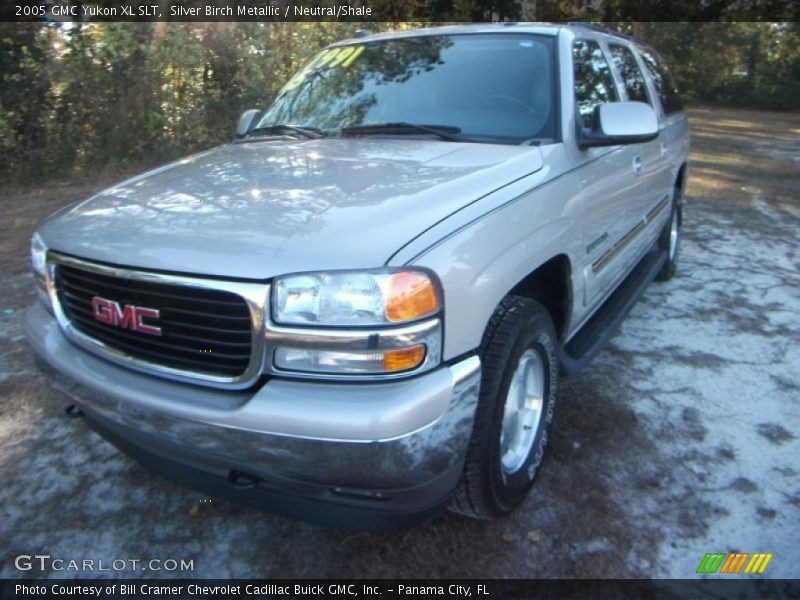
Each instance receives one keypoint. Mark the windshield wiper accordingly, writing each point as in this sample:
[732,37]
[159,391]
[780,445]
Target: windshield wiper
[311,133]
[445,132]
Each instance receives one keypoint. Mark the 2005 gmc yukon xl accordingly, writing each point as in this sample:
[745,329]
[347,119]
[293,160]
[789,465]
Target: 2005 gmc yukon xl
[357,311]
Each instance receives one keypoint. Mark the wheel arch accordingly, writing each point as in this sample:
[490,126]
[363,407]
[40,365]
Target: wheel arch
[550,284]
[680,180]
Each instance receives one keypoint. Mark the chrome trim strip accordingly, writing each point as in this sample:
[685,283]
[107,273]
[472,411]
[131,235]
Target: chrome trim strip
[657,209]
[618,247]
[254,294]
[597,242]
[612,252]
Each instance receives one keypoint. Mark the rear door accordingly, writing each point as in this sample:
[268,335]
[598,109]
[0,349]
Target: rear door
[673,136]
[610,179]
[655,182]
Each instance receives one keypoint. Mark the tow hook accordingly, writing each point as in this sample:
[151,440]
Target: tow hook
[73,411]
[242,480]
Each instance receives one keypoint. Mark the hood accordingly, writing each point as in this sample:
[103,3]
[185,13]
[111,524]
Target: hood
[259,209]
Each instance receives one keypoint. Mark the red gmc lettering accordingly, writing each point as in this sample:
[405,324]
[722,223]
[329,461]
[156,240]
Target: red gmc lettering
[153,313]
[127,318]
[130,317]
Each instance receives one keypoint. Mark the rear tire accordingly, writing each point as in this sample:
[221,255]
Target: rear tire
[670,238]
[519,385]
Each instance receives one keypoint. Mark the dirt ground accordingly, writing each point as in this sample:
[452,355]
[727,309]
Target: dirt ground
[680,439]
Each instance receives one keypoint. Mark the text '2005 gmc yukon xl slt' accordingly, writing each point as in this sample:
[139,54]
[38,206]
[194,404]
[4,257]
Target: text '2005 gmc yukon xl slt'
[357,311]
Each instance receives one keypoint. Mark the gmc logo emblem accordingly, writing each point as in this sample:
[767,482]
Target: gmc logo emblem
[127,317]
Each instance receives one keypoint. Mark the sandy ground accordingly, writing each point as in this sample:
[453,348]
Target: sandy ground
[680,439]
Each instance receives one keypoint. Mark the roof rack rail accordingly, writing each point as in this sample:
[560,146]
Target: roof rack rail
[599,28]
[603,29]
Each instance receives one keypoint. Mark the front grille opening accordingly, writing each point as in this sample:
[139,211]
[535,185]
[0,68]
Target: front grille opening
[203,331]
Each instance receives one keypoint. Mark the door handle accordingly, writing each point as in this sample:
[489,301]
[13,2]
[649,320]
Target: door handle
[664,150]
[637,164]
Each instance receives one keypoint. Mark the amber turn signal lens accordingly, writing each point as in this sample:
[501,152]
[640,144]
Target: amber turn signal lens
[403,360]
[411,296]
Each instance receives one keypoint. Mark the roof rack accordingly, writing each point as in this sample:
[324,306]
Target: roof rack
[595,27]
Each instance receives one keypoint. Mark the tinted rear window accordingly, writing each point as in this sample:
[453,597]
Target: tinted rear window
[665,84]
[631,74]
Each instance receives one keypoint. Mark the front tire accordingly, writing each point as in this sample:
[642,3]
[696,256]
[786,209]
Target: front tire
[519,384]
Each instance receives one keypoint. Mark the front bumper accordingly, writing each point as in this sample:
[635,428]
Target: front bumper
[360,455]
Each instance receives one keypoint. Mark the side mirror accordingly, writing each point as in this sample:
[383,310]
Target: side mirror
[246,121]
[621,123]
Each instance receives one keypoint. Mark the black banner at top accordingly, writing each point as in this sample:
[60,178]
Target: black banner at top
[395,10]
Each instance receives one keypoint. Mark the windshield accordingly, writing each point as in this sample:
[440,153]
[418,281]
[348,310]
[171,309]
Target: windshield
[490,87]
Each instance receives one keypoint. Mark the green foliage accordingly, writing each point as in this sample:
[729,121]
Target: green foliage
[77,98]
[743,64]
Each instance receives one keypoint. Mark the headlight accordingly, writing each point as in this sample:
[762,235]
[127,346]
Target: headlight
[38,263]
[354,299]
[380,323]
[38,255]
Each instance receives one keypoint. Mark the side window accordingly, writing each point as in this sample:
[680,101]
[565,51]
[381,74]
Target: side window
[662,78]
[632,77]
[594,84]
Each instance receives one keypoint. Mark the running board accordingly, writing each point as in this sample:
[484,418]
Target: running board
[587,343]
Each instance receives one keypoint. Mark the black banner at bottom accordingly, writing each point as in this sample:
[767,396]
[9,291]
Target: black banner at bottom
[388,589]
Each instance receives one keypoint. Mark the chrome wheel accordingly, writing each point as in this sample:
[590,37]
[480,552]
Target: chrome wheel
[522,412]
[674,234]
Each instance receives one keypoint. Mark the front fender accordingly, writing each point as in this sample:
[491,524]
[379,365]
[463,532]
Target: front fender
[484,259]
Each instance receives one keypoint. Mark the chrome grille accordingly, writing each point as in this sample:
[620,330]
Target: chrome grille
[207,332]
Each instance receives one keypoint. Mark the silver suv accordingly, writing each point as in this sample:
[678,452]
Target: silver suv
[357,311]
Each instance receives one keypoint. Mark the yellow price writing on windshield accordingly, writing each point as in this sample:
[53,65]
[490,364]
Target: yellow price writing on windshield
[343,56]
